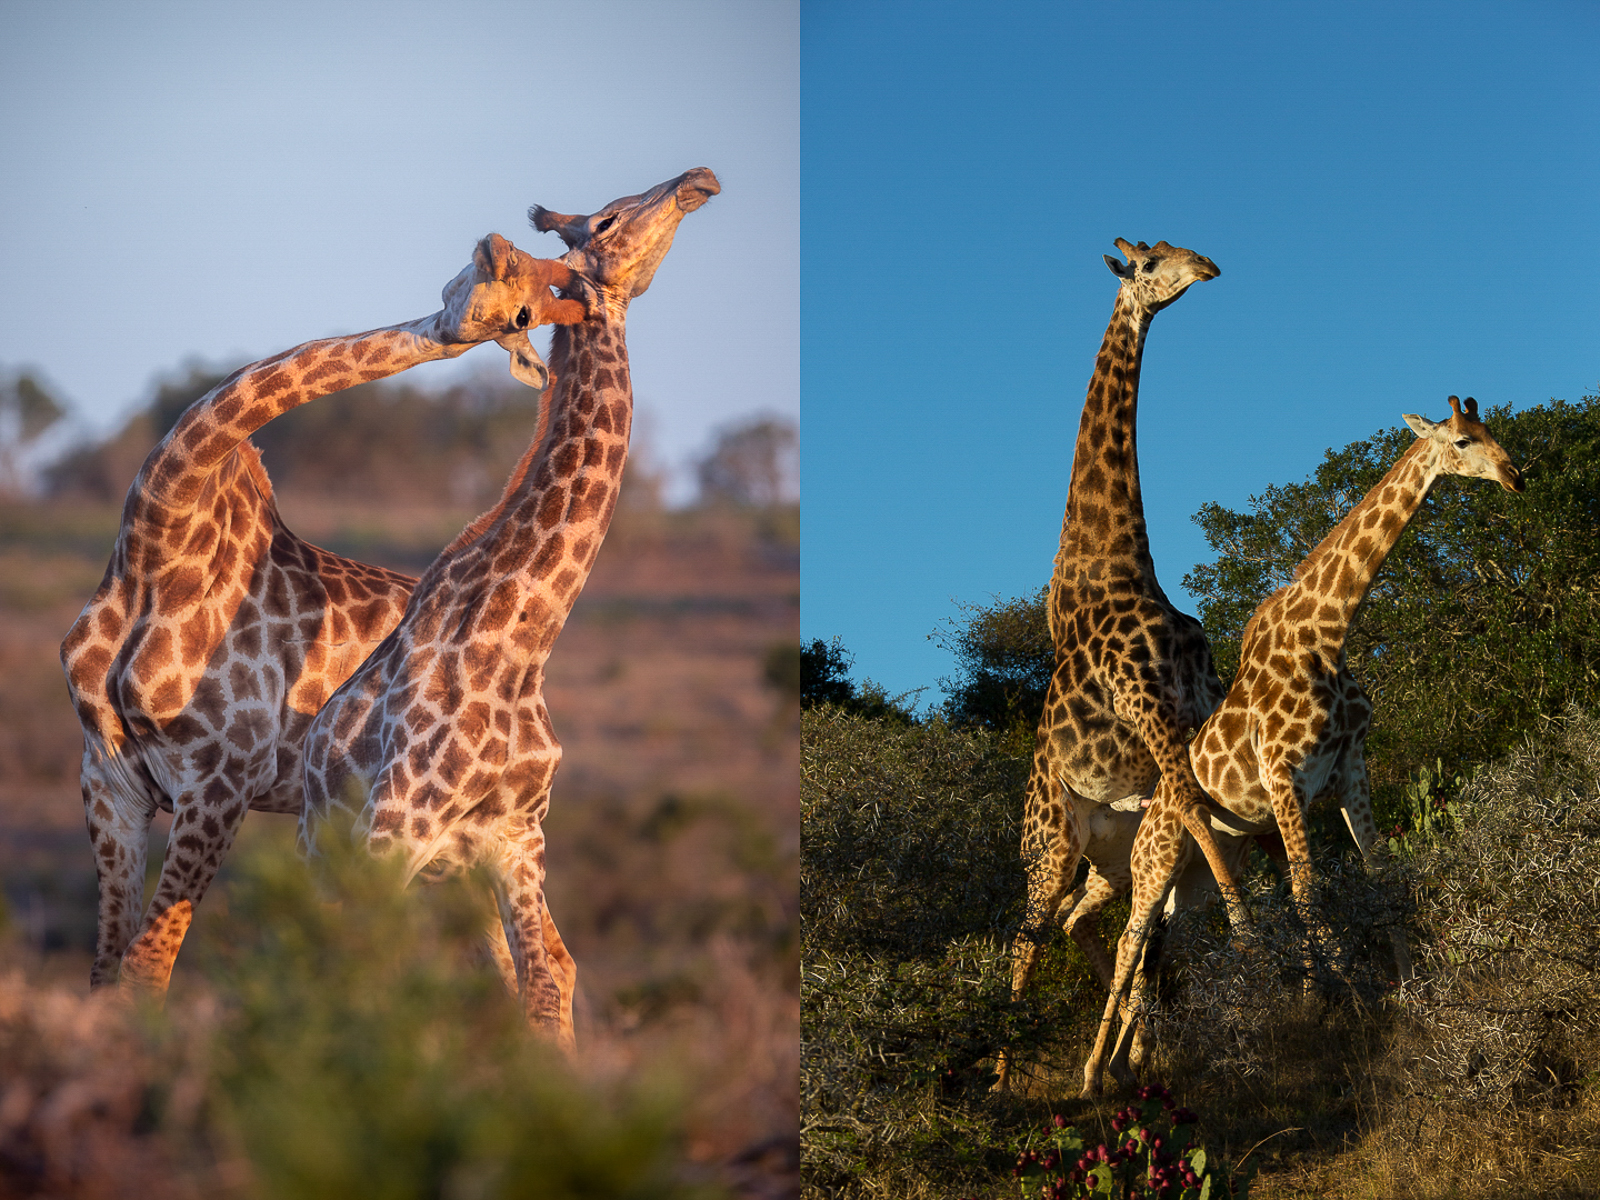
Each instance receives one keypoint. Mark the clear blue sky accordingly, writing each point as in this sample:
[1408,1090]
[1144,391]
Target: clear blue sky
[226,180]
[1404,200]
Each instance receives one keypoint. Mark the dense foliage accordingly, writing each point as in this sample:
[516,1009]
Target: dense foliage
[1485,618]
[910,889]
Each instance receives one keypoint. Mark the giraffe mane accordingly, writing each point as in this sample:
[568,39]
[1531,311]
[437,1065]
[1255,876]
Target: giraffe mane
[249,455]
[480,525]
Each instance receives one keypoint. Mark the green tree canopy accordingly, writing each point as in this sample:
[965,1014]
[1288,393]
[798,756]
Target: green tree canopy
[1004,658]
[1486,617]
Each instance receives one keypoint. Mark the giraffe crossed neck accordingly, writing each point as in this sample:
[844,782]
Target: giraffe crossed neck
[217,633]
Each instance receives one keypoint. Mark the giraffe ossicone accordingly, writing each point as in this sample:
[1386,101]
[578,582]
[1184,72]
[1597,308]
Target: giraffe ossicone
[1293,726]
[216,633]
[440,747]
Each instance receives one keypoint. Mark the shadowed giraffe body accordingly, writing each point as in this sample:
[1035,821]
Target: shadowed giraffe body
[1293,725]
[1133,675]
[217,633]
[440,745]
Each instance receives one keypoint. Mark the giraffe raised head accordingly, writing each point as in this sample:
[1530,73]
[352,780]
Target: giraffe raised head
[1464,446]
[619,248]
[1155,276]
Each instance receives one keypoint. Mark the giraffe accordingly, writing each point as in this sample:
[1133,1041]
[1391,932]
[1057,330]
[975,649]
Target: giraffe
[441,738]
[1294,724]
[216,633]
[1133,675]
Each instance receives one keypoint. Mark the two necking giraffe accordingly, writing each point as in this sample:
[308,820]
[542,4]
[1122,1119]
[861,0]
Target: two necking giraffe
[216,633]
[1133,675]
[1294,723]
[441,739]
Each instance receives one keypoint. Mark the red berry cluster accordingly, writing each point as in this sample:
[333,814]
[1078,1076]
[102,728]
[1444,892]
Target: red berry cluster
[1149,1158]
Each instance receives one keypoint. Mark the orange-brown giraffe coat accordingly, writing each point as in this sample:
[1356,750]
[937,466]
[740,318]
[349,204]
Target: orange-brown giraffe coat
[442,740]
[216,633]
[1293,725]
[1133,675]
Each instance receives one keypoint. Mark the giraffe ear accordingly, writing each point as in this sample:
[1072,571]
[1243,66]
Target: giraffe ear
[1118,268]
[570,228]
[1421,426]
[526,365]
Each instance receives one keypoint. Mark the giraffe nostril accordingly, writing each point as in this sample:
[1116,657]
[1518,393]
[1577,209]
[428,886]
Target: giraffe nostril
[523,317]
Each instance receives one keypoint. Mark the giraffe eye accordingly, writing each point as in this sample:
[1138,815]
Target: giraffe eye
[1463,443]
[1150,266]
[605,225]
[523,317]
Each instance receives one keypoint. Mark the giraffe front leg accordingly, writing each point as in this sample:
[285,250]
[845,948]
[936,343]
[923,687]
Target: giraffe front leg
[1289,806]
[202,833]
[1178,782]
[119,838]
[562,968]
[1157,856]
[519,888]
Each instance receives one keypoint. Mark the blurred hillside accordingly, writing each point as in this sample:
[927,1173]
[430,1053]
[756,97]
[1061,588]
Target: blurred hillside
[674,827]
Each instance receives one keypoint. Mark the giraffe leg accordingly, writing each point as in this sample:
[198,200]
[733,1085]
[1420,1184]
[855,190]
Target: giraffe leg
[519,888]
[562,967]
[1289,805]
[1158,853]
[1193,884]
[119,836]
[1178,782]
[1355,802]
[202,833]
[1083,920]
[1051,846]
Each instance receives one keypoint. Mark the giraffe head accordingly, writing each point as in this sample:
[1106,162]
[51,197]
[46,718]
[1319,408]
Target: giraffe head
[1463,445]
[619,248]
[502,295]
[1155,276]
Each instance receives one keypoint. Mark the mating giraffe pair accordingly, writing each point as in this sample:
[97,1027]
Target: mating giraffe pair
[217,635]
[1291,728]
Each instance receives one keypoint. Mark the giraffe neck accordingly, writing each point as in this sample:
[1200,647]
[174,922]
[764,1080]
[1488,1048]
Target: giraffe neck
[1104,520]
[531,554]
[197,456]
[1344,565]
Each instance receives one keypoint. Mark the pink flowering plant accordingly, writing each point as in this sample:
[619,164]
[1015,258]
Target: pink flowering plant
[1154,1155]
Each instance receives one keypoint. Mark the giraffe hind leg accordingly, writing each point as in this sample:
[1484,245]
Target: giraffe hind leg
[119,838]
[202,833]
[1051,847]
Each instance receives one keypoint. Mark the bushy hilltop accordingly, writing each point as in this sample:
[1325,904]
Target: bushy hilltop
[1481,648]
[394,441]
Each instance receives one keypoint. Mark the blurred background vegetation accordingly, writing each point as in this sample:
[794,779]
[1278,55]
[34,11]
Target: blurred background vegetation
[1479,647]
[351,1043]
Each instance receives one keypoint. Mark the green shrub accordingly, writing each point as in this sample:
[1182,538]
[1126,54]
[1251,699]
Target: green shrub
[362,1052]
[911,888]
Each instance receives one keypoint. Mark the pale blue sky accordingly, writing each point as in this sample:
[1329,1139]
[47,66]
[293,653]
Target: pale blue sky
[227,180]
[1404,200]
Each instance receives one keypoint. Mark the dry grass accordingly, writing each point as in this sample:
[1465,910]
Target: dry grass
[673,856]
[1481,1079]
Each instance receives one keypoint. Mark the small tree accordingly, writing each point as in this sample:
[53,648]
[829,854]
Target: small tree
[754,463]
[1004,660]
[27,411]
